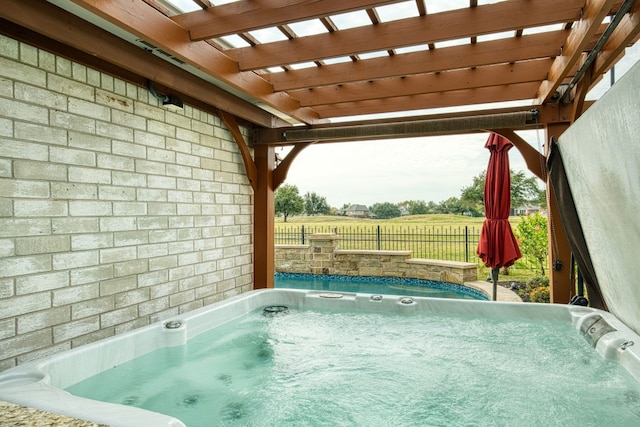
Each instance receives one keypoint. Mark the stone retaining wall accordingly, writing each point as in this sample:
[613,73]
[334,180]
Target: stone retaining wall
[323,256]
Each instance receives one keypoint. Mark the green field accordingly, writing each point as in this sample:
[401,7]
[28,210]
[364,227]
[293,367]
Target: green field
[521,271]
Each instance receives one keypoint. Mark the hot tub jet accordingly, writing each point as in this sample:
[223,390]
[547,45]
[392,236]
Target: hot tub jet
[275,310]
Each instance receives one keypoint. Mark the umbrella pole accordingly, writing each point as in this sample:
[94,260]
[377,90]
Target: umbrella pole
[494,278]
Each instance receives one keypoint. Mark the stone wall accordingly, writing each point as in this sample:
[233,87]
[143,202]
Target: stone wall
[323,256]
[114,212]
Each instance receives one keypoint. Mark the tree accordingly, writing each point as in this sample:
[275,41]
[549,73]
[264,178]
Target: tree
[315,204]
[288,201]
[385,210]
[532,238]
[417,207]
[523,191]
[452,205]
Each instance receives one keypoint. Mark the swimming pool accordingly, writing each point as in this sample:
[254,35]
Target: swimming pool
[408,360]
[377,285]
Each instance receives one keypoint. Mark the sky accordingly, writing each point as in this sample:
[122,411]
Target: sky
[368,172]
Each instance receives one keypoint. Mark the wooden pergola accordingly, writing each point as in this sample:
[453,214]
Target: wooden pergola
[289,70]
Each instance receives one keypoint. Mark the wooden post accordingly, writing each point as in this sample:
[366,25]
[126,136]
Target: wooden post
[561,288]
[263,218]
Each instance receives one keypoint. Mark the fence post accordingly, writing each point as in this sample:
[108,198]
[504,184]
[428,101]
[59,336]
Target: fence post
[378,237]
[466,243]
[302,228]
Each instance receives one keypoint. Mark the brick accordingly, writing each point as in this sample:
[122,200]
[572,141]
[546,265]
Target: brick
[72,122]
[107,192]
[89,142]
[181,272]
[128,149]
[83,276]
[111,100]
[19,266]
[180,196]
[152,222]
[74,294]
[188,160]
[130,238]
[129,179]
[160,263]
[153,278]
[181,297]
[145,166]
[91,241]
[25,169]
[120,133]
[23,150]
[118,316]
[108,256]
[19,305]
[75,329]
[73,190]
[153,306]
[42,244]
[132,297]
[158,127]
[117,285]
[43,319]
[157,236]
[161,182]
[128,119]
[63,66]
[151,195]
[131,208]
[87,175]
[7,248]
[121,163]
[159,155]
[150,251]
[92,307]
[9,47]
[162,208]
[118,224]
[152,112]
[189,209]
[25,343]
[89,208]
[79,72]
[13,188]
[72,156]
[22,72]
[39,133]
[8,328]
[40,96]
[69,87]
[41,282]
[65,261]
[128,268]
[74,225]
[182,172]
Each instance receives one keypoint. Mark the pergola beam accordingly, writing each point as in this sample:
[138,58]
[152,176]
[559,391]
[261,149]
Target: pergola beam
[581,34]
[470,55]
[245,15]
[471,78]
[450,25]
[521,91]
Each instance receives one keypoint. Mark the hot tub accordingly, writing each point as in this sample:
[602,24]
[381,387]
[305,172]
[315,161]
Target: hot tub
[42,384]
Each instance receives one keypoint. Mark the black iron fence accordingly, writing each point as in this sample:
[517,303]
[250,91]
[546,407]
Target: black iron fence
[428,242]
[444,243]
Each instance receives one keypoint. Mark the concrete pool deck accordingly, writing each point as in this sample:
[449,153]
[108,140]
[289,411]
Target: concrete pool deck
[17,415]
[504,294]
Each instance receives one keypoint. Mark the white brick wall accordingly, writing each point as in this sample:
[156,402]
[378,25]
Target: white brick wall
[114,212]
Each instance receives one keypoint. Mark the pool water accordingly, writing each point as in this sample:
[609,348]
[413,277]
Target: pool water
[326,368]
[377,285]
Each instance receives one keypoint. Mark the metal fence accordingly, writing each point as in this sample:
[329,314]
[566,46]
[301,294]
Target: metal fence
[444,243]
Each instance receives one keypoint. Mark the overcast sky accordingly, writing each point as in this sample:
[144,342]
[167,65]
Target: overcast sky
[368,172]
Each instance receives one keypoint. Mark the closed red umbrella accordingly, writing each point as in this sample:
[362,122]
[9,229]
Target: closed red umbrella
[497,246]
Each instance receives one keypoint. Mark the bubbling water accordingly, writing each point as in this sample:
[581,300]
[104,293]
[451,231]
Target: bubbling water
[316,368]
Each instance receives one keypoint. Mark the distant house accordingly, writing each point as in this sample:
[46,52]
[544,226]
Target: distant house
[357,211]
[525,210]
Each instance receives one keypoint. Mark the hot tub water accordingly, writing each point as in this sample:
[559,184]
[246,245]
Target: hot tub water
[319,367]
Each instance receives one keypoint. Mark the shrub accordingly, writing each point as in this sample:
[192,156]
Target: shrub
[540,294]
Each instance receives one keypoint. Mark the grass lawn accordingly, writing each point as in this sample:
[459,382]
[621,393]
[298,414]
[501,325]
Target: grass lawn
[520,272]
